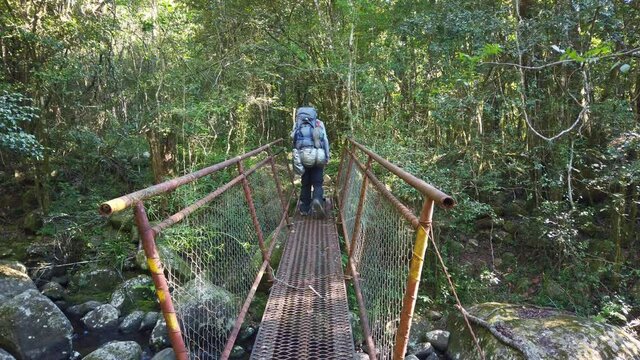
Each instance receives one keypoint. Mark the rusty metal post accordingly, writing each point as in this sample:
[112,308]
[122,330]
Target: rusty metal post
[346,181]
[254,217]
[162,288]
[413,281]
[340,170]
[364,318]
[292,178]
[357,227]
[276,178]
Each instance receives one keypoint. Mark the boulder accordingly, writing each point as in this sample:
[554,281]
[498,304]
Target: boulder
[53,291]
[432,356]
[117,350]
[101,279]
[133,290]
[199,297]
[237,352]
[84,308]
[15,265]
[6,356]
[360,356]
[122,221]
[32,327]
[246,333]
[411,357]
[131,323]
[421,350]
[166,354]
[540,333]
[14,282]
[171,260]
[159,336]
[103,317]
[439,339]
[33,221]
[149,321]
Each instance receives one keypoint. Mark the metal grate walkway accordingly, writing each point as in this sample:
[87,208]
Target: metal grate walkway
[307,314]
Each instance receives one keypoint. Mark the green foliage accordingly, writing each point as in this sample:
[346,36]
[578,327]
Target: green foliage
[15,114]
[614,309]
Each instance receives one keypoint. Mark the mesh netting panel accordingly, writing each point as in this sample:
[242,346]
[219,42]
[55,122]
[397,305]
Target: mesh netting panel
[266,200]
[350,206]
[282,162]
[211,259]
[343,176]
[381,256]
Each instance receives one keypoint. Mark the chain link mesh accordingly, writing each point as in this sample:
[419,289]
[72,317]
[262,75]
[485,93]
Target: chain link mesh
[212,257]
[381,255]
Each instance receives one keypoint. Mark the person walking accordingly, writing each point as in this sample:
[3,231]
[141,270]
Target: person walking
[310,155]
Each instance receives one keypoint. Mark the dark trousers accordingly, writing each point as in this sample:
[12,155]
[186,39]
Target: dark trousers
[312,177]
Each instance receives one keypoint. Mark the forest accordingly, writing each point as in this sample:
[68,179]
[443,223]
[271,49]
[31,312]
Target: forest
[527,112]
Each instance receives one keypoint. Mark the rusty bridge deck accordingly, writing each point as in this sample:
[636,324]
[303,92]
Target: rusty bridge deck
[307,314]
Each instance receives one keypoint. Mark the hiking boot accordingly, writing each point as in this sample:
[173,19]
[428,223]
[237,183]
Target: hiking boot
[318,209]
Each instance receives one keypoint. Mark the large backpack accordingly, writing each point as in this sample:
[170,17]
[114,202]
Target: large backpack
[308,137]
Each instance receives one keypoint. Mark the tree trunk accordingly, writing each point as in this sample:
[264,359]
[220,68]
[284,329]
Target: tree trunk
[163,154]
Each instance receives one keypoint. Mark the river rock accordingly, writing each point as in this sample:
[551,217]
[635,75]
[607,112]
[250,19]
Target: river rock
[84,308]
[246,333]
[117,350]
[173,261]
[149,321]
[543,333]
[33,221]
[131,323]
[439,339]
[6,356]
[103,317]
[360,356]
[421,350]
[200,297]
[166,354]
[133,290]
[122,221]
[13,282]
[32,327]
[237,352]
[53,291]
[15,265]
[102,280]
[159,336]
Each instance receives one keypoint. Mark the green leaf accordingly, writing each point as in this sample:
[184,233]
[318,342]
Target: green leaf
[573,55]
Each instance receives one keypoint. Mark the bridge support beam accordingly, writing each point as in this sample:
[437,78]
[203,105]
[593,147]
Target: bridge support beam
[162,288]
[254,217]
[415,272]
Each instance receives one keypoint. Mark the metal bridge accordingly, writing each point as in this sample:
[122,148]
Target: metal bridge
[212,236]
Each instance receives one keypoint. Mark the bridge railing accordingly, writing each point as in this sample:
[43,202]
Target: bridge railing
[211,244]
[386,241]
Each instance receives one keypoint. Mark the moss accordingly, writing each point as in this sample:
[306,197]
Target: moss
[83,296]
[142,305]
[551,333]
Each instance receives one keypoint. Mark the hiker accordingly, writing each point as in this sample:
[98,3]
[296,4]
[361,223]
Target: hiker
[310,155]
